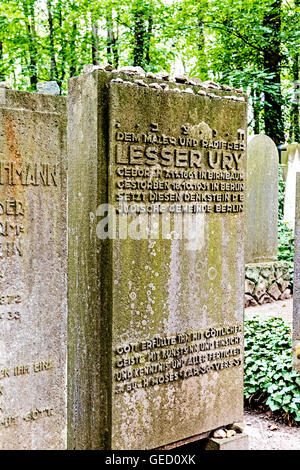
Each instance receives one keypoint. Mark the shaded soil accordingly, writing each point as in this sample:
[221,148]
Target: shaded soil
[280,309]
[267,434]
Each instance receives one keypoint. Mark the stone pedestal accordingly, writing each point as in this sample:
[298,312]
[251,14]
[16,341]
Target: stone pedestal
[267,282]
[237,442]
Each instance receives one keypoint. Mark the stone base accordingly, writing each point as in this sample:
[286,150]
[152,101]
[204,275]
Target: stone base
[267,282]
[237,442]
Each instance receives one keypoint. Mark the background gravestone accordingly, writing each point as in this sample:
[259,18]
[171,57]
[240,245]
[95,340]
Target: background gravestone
[266,278]
[292,166]
[296,292]
[262,200]
[156,343]
[32,271]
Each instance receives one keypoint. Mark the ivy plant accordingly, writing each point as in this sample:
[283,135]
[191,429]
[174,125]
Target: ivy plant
[269,379]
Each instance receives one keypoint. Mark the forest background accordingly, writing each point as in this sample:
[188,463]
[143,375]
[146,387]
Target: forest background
[253,44]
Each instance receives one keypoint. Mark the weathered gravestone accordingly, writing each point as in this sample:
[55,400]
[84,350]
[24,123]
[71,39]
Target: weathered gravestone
[296,292]
[292,167]
[155,322]
[266,278]
[33,243]
[262,200]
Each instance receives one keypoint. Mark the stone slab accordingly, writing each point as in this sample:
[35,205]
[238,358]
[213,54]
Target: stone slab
[237,442]
[292,168]
[156,344]
[296,292]
[33,244]
[262,200]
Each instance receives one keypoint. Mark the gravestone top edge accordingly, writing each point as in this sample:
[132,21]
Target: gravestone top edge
[262,137]
[127,77]
[30,101]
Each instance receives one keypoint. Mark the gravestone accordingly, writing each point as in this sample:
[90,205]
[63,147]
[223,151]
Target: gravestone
[262,200]
[33,243]
[155,318]
[292,167]
[267,279]
[296,292]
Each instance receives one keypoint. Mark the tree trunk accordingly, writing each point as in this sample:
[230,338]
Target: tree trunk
[73,57]
[256,111]
[139,35]
[62,55]
[53,66]
[28,9]
[2,75]
[111,41]
[148,41]
[95,43]
[295,109]
[274,127]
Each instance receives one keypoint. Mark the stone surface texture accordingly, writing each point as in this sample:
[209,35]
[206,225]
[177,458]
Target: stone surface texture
[296,296]
[237,442]
[261,200]
[267,282]
[33,246]
[144,313]
[48,88]
[292,166]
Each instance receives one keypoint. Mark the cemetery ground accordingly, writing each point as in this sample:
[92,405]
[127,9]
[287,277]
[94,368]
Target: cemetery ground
[265,431]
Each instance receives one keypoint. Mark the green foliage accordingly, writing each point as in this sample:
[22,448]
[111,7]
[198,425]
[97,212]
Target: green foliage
[268,374]
[252,44]
[285,242]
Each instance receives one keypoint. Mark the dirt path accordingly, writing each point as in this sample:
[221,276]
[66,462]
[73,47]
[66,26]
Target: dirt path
[266,434]
[280,309]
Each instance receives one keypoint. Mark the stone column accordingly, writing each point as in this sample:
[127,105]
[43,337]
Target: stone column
[155,314]
[33,253]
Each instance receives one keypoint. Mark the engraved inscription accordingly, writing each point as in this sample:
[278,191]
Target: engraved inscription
[163,360]
[25,174]
[8,419]
[194,174]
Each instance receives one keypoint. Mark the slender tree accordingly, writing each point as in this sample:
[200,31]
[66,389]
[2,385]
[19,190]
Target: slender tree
[272,64]
[29,19]
[53,66]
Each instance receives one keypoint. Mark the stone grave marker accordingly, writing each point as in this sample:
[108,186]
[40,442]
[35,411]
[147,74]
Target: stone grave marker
[262,200]
[267,279]
[292,167]
[33,244]
[296,292]
[155,318]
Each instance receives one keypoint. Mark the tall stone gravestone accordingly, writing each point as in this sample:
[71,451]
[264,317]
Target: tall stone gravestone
[33,243]
[292,167]
[156,319]
[266,278]
[262,200]
[296,292]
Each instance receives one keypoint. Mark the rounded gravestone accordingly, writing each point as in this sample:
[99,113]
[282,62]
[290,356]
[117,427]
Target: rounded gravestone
[261,200]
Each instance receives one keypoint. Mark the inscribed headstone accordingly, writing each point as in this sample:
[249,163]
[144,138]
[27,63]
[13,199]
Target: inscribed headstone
[33,244]
[156,318]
